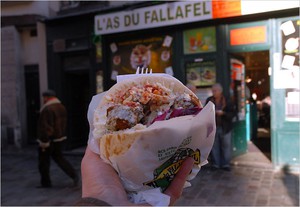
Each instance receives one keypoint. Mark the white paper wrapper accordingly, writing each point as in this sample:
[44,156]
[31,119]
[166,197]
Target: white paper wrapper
[158,151]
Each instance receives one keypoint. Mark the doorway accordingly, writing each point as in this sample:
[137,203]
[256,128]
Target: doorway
[257,94]
[32,89]
[77,102]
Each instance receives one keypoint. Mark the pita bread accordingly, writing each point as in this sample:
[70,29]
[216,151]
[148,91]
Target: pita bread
[118,142]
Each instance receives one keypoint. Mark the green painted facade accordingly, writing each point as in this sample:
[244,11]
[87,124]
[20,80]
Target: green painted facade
[285,136]
[284,130]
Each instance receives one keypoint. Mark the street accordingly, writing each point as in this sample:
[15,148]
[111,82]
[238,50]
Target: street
[20,178]
[251,182]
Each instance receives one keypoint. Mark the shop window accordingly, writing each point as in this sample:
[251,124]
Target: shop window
[153,52]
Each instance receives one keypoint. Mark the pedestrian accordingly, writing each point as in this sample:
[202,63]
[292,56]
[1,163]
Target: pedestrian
[51,135]
[225,111]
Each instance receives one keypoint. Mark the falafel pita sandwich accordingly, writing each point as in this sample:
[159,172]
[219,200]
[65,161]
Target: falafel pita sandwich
[144,127]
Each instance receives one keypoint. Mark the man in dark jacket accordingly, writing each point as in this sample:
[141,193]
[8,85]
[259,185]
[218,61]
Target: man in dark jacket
[221,150]
[51,132]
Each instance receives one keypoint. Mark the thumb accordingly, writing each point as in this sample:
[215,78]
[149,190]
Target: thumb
[175,188]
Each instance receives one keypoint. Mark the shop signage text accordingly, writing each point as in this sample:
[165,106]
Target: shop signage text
[154,16]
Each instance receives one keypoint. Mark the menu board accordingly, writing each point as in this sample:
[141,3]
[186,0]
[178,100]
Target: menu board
[199,40]
[153,53]
[201,73]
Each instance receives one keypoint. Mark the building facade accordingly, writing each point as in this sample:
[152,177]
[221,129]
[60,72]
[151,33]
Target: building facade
[196,42]
[246,48]
[23,68]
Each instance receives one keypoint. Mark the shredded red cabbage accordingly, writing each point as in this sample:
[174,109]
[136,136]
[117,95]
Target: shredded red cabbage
[177,113]
[161,117]
[184,112]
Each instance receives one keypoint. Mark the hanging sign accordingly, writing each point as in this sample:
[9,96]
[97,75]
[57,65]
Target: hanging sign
[153,16]
[173,13]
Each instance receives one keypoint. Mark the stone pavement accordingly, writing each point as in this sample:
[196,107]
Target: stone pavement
[20,176]
[251,182]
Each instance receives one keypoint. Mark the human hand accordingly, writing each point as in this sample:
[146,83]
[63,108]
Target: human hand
[43,145]
[101,181]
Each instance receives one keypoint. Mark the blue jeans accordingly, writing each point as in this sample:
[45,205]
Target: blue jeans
[221,150]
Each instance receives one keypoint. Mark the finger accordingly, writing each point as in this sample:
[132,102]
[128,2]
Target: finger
[175,188]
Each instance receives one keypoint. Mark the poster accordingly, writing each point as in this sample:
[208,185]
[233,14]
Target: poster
[290,45]
[154,53]
[201,73]
[287,63]
[199,40]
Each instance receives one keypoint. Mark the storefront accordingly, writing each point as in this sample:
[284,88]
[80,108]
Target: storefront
[71,70]
[203,43]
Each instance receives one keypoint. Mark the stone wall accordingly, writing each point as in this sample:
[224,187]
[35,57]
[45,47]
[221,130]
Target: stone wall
[13,102]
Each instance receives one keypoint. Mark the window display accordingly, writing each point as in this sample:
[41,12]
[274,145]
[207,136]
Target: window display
[154,53]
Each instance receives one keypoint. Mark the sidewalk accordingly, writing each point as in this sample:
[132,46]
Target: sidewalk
[20,176]
[252,182]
